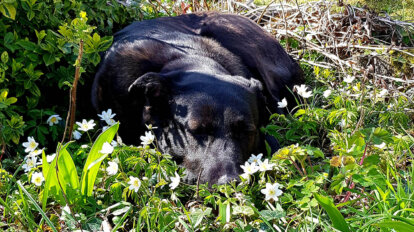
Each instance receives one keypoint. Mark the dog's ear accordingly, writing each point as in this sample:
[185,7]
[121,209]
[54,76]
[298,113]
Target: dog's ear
[266,140]
[151,85]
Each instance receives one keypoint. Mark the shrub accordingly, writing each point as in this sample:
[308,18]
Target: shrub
[39,46]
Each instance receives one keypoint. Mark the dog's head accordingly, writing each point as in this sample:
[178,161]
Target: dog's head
[209,123]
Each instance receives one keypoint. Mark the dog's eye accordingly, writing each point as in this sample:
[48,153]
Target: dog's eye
[243,130]
[198,128]
[243,126]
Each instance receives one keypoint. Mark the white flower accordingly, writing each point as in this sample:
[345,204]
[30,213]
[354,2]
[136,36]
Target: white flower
[249,168]
[36,152]
[30,145]
[114,143]
[383,93]
[349,79]
[301,90]
[150,127]
[106,227]
[110,122]
[84,146]
[107,148]
[240,197]
[37,178]
[246,177]
[76,134]
[147,139]
[135,183]
[54,119]
[265,166]
[282,104]
[31,162]
[381,146]
[272,191]
[342,123]
[174,197]
[254,158]
[112,168]
[86,125]
[107,116]
[65,212]
[50,158]
[327,93]
[175,181]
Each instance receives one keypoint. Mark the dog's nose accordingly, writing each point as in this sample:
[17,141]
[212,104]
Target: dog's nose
[227,178]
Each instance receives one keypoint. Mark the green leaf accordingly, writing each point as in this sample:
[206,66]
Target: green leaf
[271,215]
[196,216]
[94,58]
[105,43]
[10,100]
[4,57]
[49,59]
[336,217]
[8,38]
[122,220]
[97,161]
[8,10]
[89,174]
[52,182]
[45,164]
[27,45]
[398,226]
[67,170]
[223,212]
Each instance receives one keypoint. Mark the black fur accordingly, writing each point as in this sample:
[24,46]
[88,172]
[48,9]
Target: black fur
[206,80]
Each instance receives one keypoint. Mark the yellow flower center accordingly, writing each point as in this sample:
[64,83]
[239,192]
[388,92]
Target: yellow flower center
[272,192]
[53,119]
[32,145]
[136,183]
[38,179]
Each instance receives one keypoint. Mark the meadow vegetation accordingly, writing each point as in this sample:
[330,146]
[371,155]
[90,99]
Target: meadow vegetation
[346,162]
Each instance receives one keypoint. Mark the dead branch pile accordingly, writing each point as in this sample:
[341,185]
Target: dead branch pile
[348,39]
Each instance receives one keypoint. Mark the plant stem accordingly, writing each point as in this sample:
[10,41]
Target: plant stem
[74,88]
[296,166]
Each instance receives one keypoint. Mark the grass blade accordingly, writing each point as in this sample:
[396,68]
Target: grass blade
[37,207]
[116,227]
[398,226]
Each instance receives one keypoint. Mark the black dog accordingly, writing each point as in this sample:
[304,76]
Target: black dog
[207,81]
